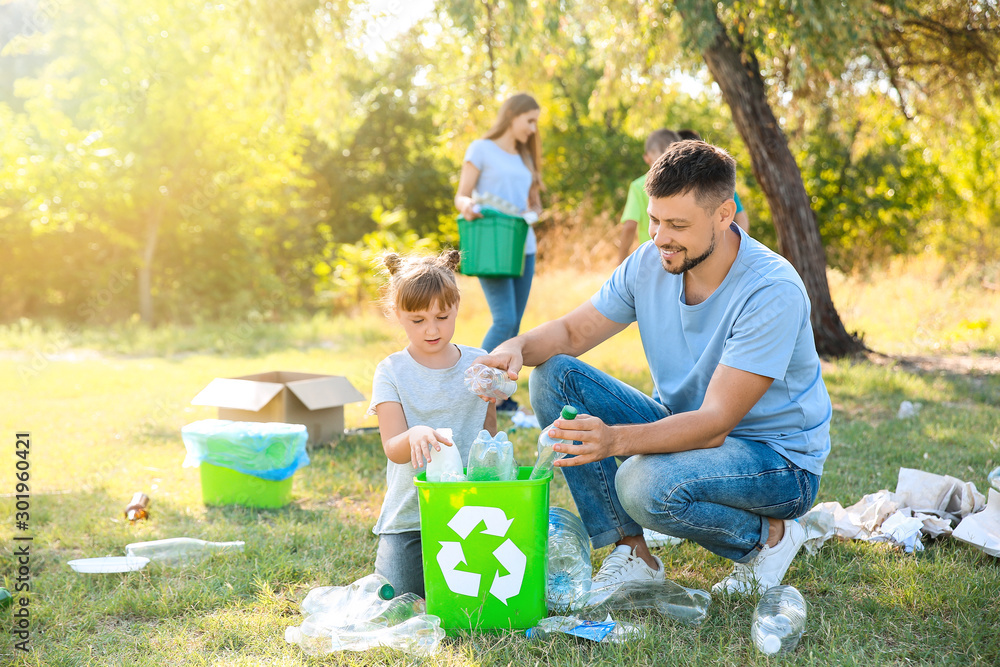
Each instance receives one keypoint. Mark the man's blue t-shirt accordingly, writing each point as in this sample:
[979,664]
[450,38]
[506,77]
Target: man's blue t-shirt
[757,320]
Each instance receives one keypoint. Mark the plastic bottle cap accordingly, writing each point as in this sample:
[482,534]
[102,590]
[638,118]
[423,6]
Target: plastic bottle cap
[569,412]
[770,644]
[387,592]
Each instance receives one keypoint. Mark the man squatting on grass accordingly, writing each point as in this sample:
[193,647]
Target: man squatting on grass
[731,445]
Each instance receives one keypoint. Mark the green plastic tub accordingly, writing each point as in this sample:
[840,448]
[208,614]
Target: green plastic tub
[223,486]
[485,551]
[492,246]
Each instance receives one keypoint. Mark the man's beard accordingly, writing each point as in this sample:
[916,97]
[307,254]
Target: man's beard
[691,262]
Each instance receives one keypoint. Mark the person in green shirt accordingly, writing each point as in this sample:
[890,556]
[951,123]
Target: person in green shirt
[634,217]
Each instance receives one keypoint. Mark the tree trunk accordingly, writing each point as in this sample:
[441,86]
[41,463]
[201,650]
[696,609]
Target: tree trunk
[774,167]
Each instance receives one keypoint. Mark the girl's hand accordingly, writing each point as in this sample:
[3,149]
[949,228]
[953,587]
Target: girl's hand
[424,439]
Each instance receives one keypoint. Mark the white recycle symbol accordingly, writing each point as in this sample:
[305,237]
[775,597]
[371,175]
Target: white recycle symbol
[507,554]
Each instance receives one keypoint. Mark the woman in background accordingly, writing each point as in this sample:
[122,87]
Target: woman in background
[506,163]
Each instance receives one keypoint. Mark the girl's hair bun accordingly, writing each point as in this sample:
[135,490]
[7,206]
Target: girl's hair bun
[451,258]
[393,262]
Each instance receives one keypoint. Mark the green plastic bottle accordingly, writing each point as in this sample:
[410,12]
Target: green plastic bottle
[6,599]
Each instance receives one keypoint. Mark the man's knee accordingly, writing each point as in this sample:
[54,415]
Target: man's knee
[645,493]
[633,487]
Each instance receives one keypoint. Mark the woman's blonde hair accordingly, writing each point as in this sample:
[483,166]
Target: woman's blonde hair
[416,282]
[531,150]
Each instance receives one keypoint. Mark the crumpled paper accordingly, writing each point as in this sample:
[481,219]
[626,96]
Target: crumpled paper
[902,530]
[923,505]
[983,528]
[908,410]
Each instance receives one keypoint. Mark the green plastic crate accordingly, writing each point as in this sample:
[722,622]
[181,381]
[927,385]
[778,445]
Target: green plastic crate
[484,548]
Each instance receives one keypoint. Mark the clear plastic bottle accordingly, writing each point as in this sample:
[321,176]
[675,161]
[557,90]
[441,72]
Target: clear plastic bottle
[419,636]
[546,454]
[177,551]
[668,598]
[779,620]
[364,614]
[994,478]
[490,459]
[334,598]
[489,200]
[506,448]
[569,567]
[483,380]
[445,465]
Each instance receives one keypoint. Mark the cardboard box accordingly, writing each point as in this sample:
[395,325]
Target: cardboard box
[316,401]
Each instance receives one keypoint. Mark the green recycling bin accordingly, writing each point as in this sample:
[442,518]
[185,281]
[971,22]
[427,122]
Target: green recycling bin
[492,246]
[485,547]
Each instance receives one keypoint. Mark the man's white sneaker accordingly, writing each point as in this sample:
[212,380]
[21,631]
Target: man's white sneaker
[768,568]
[623,565]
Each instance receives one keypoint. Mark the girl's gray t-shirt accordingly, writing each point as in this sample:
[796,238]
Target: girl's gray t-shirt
[435,397]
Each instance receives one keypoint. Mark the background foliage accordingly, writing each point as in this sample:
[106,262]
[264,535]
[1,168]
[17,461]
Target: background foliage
[200,162]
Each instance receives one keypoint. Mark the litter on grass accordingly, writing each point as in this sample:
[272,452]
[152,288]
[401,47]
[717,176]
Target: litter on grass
[608,631]
[924,505]
[982,530]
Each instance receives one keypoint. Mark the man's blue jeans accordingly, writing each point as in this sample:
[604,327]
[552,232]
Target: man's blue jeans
[507,298]
[719,498]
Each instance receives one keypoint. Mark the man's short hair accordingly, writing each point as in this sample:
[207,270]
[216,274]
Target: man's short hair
[687,166]
[659,141]
[688,133]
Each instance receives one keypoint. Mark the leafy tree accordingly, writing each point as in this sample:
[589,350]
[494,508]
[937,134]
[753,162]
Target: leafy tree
[740,42]
[146,149]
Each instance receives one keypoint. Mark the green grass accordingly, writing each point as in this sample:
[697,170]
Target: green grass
[105,413]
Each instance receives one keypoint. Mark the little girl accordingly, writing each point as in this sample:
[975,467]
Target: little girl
[413,392]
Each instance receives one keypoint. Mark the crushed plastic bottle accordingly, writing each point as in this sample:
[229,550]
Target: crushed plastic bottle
[668,598]
[483,380]
[546,454]
[419,636]
[994,478]
[608,630]
[364,615]
[569,566]
[355,595]
[505,445]
[489,200]
[779,620]
[446,465]
[6,599]
[491,458]
[177,551]
[137,508]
